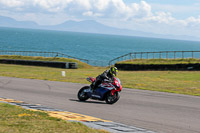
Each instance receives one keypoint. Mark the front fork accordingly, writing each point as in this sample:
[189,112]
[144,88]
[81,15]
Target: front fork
[113,91]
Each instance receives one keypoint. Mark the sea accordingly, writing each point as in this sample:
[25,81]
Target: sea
[89,46]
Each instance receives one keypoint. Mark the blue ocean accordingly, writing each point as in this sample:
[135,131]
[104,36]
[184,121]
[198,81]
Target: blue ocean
[85,45]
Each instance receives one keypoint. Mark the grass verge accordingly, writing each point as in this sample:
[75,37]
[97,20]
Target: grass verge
[14,119]
[182,82]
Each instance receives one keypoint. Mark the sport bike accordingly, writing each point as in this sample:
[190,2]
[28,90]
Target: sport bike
[107,91]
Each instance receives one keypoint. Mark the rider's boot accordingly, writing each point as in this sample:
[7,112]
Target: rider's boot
[95,85]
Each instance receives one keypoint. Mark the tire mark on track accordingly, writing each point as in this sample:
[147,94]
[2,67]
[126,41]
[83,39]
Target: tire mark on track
[46,84]
[4,84]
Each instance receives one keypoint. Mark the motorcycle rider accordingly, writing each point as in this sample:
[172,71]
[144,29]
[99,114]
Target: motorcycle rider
[108,74]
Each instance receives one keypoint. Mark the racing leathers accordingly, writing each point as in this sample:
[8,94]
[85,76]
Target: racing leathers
[99,79]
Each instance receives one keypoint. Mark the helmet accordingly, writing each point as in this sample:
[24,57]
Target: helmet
[113,71]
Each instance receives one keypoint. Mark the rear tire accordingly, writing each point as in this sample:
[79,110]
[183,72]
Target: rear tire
[111,99]
[82,96]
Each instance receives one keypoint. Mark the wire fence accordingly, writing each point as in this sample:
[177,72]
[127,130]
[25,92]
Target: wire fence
[156,55]
[129,56]
[52,54]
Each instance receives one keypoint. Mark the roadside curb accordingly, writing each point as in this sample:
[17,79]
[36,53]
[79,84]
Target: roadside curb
[89,121]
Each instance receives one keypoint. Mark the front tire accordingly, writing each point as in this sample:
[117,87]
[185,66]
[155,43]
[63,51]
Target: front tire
[111,99]
[82,96]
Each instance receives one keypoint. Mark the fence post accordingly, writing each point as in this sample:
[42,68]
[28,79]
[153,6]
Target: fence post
[130,56]
[182,54]
[147,55]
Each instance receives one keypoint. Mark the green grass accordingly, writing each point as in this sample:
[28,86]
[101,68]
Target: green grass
[14,119]
[39,58]
[160,61]
[183,82]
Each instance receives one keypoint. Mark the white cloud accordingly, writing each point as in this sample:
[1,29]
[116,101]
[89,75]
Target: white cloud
[111,8]
[161,17]
[91,14]
[12,3]
[101,4]
[51,5]
[136,16]
[177,9]
[192,21]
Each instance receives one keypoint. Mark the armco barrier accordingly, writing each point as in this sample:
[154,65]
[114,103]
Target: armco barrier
[177,67]
[68,65]
[157,55]
[52,54]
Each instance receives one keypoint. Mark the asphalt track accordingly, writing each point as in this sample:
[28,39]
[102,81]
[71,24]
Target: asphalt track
[155,111]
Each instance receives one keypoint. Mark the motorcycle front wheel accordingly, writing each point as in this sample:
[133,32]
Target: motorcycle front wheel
[111,99]
[82,96]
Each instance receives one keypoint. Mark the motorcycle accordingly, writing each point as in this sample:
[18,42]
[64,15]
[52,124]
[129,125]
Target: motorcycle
[107,91]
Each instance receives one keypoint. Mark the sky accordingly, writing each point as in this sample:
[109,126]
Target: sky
[171,17]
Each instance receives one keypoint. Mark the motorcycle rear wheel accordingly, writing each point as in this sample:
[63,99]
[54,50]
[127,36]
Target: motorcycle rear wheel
[111,99]
[82,96]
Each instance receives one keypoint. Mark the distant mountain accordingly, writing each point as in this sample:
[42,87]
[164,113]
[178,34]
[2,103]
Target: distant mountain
[91,26]
[88,26]
[9,22]
[84,26]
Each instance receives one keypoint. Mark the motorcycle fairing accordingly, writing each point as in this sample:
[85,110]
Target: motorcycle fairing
[98,93]
[108,86]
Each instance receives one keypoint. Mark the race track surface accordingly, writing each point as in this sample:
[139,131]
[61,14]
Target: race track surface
[155,111]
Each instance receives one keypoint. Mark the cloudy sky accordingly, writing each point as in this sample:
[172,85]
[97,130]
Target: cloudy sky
[173,17]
